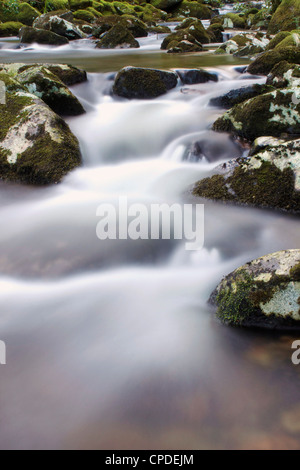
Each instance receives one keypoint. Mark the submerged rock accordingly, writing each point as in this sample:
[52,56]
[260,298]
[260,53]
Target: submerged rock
[142,83]
[36,146]
[41,82]
[194,76]
[270,177]
[272,113]
[264,293]
[30,35]
[118,37]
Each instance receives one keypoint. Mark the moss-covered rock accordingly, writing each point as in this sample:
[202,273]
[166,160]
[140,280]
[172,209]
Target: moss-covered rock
[194,9]
[142,83]
[277,40]
[41,82]
[215,31]
[196,29]
[36,146]
[264,63]
[234,97]
[179,39]
[8,10]
[117,37]
[53,5]
[11,28]
[135,26]
[244,45]
[42,22]
[30,35]
[273,113]
[59,26]
[84,15]
[234,21]
[27,14]
[293,40]
[263,293]
[284,75]
[286,17]
[270,177]
[159,29]
[80,4]
[166,5]
[194,76]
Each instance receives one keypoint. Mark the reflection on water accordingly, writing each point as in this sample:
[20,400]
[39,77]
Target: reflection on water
[112,345]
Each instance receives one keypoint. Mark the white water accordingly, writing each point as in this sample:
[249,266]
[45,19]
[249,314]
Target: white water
[112,344]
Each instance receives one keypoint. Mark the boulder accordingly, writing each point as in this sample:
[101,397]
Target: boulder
[10,28]
[27,14]
[36,146]
[166,5]
[286,17]
[136,27]
[263,293]
[240,95]
[42,22]
[264,63]
[193,9]
[41,82]
[244,45]
[284,75]
[194,76]
[85,16]
[269,177]
[60,26]
[80,4]
[142,83]
[118,37]
[30,35]
[180,37]
[215,31]
[272,113]
[196,29]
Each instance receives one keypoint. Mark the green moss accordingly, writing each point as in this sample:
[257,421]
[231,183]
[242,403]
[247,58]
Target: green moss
[277,40]
[286,17]
[263,64]
[84,15]
[27,14]
[12,112]
[10,28]
[94,12]
[80,4]
[239,21]
[54,5]
[117,36]
[213,188]
[193,9]
[9,10]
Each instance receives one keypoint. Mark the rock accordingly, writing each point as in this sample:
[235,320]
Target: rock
[185,46]
[234,21]
[166,5]
[39,81]
[80,4]
[43,21]
[243,45]
[142,83]
[263,293]
[240,95]
[136,27]
[195,28]
[215,32]
[60,26]
[286,17]
[269,177]
[159,29]
[193,76]
[193,9]
[30,35]
[117,37]
[272,113]
[11,28]
[277,40]
[84,15]
[284,75]
[264,63]
[36,146]
[27,14]
[181,37]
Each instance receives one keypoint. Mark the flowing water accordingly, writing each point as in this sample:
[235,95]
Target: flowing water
[111,344]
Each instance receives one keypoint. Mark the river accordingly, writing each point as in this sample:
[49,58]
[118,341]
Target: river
[111,344]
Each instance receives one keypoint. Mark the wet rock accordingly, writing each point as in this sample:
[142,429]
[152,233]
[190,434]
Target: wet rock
[269,177]
[11,28]
[286,17]
[212,148]
[142,83]
[264,63]
[181,41]
[195,28]
[42,83]
[284,75]
[60,26]
[30,35]
[135,26]
[240,95]
[43,21]
[215,32]
[272,114]
[243,45]
[263,293]
[118,37]
[36,146]
[234,21]
[193,76]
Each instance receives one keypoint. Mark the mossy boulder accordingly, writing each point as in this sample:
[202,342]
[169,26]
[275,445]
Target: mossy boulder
[68,74]
[29,35]
[166,5]
[27,14]
[286,17]
[292,40]
[52,5]
[196,29]
[269,178]
[284,75]
[80,4]
[84,15]
[142,83]
[244,45]
[194,9]
[263,293]
[265,62]
[8,10]
[159,29]
[272,113]
[234,21]
[118,37]
[41,82]
[36,146]
[277,40]
[59,26]
[11,28]
[135,26]
[194,76]
[179,39]
[42,22]
[215,31]
[234,97]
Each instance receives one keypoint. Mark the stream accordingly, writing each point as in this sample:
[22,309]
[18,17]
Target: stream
[111,344]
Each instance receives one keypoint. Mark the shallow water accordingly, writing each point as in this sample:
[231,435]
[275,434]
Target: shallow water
[111,344]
